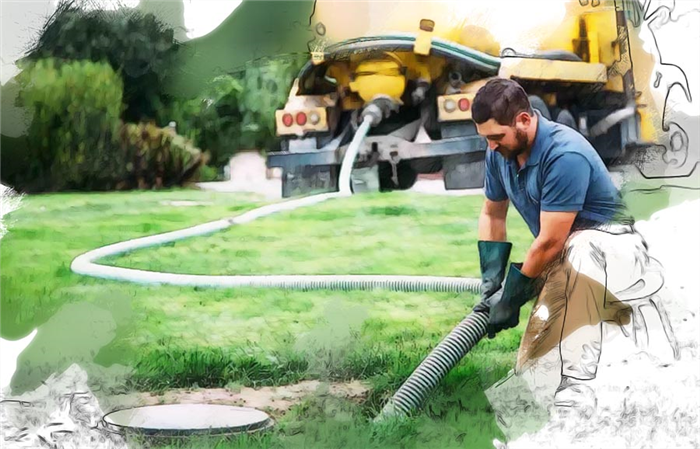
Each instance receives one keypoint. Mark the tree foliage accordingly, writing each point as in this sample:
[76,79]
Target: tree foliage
[265,89]
[236,111]
[212,120]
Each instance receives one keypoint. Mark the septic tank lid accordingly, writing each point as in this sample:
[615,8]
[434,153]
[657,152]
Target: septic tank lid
[187,419]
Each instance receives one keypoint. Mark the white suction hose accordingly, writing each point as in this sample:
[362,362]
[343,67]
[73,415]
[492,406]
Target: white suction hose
[85,264]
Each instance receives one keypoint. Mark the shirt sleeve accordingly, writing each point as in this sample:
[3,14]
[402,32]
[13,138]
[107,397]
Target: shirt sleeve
[566,181]
[493,184]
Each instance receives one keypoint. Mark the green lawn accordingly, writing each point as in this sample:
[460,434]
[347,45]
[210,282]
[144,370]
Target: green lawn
[173,336]
[400,233]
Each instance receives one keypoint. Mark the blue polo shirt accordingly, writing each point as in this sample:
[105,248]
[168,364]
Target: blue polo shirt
[563,173]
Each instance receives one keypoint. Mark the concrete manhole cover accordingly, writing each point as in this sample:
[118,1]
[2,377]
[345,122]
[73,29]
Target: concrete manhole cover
[188,419]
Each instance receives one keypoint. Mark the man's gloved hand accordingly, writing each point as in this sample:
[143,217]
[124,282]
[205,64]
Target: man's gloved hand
[504,311]
[493,259]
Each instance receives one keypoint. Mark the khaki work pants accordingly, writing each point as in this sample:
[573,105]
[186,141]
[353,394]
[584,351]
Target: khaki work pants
[598,277]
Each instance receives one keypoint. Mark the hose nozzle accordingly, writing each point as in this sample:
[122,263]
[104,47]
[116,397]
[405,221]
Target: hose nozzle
[379,108]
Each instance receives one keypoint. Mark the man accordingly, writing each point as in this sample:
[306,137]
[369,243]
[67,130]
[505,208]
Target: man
[561,188]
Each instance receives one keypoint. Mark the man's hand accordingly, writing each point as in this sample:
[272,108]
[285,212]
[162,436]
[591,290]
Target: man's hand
[494,250]
[485,304]
[502,315]
[493,260]
[504,305]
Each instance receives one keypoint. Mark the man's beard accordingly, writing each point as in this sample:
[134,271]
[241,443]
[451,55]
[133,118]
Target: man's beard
[521,138]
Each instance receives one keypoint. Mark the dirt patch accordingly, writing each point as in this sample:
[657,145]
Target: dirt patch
[273,400]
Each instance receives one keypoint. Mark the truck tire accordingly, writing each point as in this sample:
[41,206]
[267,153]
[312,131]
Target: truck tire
[405,173]
[539,104]
[566,118]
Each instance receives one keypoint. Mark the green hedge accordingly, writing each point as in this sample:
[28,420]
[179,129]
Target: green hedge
[77,141]
[76,107]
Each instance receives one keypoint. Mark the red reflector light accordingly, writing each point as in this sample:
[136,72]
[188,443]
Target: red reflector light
[301,119]
[287,120]
[464,104]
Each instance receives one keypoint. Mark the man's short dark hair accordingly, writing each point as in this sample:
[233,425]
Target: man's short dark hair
[502,100]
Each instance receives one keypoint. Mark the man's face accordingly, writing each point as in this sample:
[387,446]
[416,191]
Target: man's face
[509,141]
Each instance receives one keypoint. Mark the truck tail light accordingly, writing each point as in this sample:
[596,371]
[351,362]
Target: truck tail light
[455,107]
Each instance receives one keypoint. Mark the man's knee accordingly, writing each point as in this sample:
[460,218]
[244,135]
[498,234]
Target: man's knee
[616,260]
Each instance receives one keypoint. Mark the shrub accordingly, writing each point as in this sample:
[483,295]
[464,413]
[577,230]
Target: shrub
[208,174]
[236,112]
[78,142]
[155,157]
[76,108]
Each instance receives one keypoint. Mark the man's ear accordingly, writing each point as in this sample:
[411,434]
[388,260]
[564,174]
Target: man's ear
[523,119]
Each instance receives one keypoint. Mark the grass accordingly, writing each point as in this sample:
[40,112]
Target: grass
[159,337]
[367,234]
[48,231]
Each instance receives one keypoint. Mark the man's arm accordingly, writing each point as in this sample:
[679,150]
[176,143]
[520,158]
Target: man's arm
[566,182]
[564,191]
[520,286]
[492,221]
[554,230]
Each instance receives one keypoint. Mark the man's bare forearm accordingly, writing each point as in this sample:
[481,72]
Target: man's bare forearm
[492,228]
[541,253]
[551,241]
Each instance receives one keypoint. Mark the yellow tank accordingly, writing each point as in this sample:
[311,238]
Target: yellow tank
[588,29]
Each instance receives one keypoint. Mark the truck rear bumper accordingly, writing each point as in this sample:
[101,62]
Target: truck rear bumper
[403,149]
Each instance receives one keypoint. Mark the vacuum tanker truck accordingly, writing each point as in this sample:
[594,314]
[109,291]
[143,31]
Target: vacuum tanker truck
[420,65]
